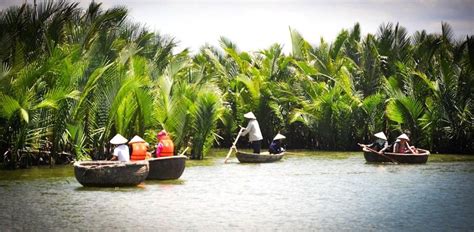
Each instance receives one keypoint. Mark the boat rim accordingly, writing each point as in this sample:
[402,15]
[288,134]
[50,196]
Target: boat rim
[423,153]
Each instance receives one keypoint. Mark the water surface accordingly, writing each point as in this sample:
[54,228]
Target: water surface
[299,193]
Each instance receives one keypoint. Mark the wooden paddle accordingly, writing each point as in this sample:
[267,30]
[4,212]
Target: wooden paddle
[372,150]
[182,153]
[233,145]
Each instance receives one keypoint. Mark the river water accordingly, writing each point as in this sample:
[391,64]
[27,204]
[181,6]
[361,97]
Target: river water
[298,193]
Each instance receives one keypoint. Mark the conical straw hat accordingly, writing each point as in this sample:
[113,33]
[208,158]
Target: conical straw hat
[250,115]
[381,135]
[403,136]
[279,136]
[118,139]
[136,139]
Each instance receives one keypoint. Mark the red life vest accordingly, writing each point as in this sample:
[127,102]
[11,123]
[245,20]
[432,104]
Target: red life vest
[168,146]
[138,151]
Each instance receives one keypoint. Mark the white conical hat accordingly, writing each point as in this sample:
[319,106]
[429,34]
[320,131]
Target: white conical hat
[403,136]
[118,139]
[381,135]
[250,115]
[279,136]
[136,139]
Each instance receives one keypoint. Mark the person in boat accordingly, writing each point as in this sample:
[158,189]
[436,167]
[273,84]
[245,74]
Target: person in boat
[165,146]
[401,145]
[253,130]
[139,148]
[275,146]
[379,145]
[121,151]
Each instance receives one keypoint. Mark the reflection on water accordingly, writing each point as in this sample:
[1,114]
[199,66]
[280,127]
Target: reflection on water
[298,193]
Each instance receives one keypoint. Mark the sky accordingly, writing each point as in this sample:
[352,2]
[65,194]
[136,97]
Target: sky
[255,25]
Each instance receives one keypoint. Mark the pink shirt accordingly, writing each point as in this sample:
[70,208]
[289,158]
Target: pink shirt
[159,149]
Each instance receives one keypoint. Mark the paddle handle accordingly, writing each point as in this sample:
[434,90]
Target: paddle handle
[233,145]
[372,150]
[182,153]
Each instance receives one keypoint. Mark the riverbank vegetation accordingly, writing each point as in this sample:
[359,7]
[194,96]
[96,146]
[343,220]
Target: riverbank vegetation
[71,78]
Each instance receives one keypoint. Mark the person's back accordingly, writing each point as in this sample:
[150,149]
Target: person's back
[253,129]
[165,145]
[379,145]
[122,153]
[275,147]
[139,151]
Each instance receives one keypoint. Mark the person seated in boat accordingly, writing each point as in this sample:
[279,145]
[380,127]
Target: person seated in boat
[379,145]
[165,146]
[121,152]
[139,148]
[275,146]
[401,145]
[253,130]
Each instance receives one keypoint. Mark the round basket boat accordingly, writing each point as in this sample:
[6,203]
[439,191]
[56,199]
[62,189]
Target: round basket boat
[244,157]
[166,168]
[110,173]
[403,158]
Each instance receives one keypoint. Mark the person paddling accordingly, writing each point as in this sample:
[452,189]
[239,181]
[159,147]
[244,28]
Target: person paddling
[253,129]
[379,145]
[275,146]
[121,152]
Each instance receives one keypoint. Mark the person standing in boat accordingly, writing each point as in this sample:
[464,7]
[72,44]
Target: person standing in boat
[165,145]
[379,145]
[401,145]
[275,146]
[253,129]
[121,152]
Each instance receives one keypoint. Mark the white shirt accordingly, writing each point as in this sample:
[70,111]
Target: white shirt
[122,153]
[253,129]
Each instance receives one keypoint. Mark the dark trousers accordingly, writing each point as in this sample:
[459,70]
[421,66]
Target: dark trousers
[256,146]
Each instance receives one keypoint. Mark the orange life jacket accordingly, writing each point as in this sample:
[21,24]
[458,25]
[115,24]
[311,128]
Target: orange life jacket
[168,146]
[138,151]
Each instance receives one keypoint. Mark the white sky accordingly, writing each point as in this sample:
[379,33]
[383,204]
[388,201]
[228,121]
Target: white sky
[254,25]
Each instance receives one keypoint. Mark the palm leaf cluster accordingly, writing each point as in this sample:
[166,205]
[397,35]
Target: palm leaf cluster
[74,77]
[332,95]
[89,74]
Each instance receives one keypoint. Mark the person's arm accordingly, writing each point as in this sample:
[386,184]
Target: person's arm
[385,146]
[411,149]
[395,147]
[159,148]
[248,129]
[362,145]
[370,146]
[115,155]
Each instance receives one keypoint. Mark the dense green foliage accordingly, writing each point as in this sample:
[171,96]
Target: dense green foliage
[76,77]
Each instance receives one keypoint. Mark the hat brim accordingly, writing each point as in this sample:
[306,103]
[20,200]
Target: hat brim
[279,136]
[250,115]
[136,139]
[118,139]
[381,135]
